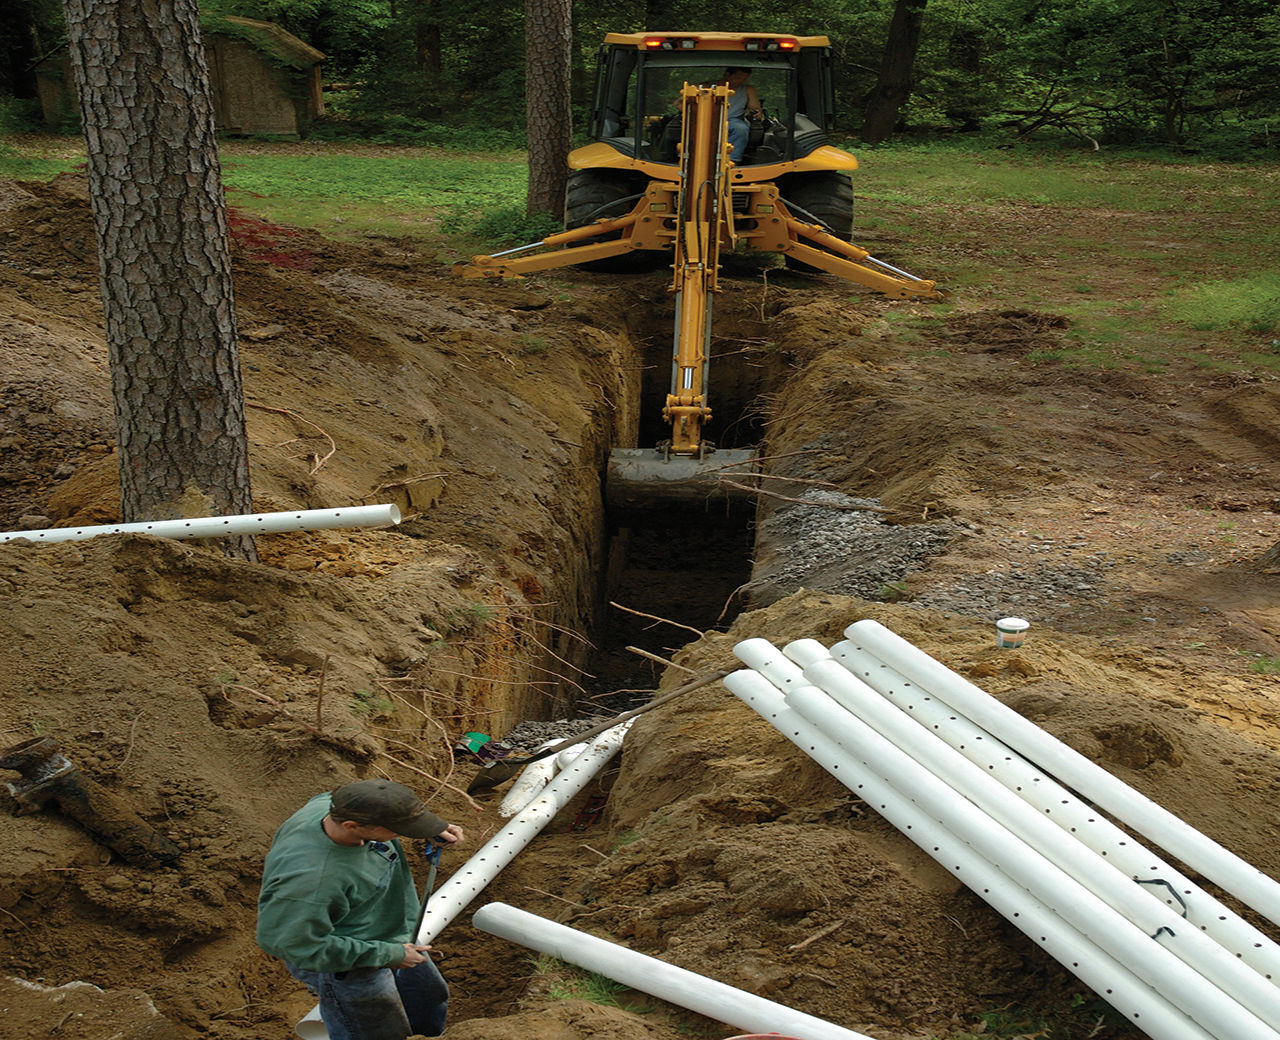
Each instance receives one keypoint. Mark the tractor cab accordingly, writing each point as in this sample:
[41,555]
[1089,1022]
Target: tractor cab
[639,78]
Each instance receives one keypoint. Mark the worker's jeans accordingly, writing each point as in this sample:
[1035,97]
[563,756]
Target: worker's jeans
[379,1003]
[739,133]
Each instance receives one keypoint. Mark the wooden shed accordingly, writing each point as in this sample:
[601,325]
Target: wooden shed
[265,80]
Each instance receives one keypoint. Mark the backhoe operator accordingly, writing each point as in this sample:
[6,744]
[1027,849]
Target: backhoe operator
[744,104]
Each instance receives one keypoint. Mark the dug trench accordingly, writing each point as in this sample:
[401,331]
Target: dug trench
[933,481]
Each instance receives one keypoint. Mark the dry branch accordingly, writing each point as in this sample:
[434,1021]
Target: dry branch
[819,934]
[804,502]
[654,617]
[659,660]
[320,460]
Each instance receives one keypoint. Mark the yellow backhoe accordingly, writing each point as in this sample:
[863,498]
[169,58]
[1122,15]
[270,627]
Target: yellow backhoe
[662,180]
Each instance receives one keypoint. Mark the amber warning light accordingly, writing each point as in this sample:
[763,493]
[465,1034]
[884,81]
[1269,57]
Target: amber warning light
[669,43]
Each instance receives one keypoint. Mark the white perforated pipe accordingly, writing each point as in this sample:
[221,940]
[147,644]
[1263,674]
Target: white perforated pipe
[1083,884]
[222,526]
[1106,976]
[1176,837]
[1075,817]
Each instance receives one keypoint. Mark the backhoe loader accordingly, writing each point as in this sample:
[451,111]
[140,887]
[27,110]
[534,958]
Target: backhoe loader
[659,181]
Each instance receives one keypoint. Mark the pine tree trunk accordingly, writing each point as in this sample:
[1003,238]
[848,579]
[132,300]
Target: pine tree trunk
[897,64]
[548,41]
[164,259]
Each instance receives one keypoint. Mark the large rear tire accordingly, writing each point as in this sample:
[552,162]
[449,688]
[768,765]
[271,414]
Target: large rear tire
[826,198]
[592,194]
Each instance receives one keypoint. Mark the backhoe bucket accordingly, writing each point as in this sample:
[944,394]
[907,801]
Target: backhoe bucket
[646,480]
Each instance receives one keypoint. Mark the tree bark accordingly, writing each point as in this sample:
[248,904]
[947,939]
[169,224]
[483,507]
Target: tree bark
[164,259]
[897,64]
[548,41]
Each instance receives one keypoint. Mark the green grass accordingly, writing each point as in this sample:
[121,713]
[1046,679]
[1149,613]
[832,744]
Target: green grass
[569,983]
[353,196]
[956,175]
[1084,1015]
[1250,303]
[1215,305]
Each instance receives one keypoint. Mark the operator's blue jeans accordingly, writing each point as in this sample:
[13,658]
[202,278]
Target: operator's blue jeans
[739,132]
[379,1003]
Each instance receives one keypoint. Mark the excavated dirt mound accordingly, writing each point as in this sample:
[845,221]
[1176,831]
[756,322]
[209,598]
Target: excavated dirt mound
[1122,513]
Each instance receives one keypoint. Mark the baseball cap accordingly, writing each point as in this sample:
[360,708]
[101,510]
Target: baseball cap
[385,803]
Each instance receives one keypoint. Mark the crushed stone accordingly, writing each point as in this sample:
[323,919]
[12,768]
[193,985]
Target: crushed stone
[868,554]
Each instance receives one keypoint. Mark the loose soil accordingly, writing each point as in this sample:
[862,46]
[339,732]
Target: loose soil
[1123,512]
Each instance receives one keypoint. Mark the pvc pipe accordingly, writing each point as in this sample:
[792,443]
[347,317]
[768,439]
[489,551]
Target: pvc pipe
[535,776]
[1138,903]
[469,880]
[665,981]
[1086,867]
[947,804]
[1075,817]
[1130,943]
[466,883]
[1109,978]
[221,526]
[1182,841]
[529,784]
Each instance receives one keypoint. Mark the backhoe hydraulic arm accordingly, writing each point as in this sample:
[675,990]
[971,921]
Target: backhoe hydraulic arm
[704,219]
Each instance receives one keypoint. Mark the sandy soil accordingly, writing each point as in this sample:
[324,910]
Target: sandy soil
[210,697]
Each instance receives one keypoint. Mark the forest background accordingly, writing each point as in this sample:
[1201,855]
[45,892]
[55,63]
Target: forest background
[1196,76]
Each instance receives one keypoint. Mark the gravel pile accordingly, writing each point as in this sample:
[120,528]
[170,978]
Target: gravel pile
[851,550]
[529,736]
[1041,593]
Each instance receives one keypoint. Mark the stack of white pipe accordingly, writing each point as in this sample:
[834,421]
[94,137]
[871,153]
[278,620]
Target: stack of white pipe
[948,765]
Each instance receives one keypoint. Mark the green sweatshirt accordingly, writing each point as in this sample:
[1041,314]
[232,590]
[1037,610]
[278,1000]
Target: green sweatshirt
[330,907]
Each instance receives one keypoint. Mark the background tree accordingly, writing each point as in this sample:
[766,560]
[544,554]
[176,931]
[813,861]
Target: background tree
[548,113]
[897,70]
[29,29]
[163,257]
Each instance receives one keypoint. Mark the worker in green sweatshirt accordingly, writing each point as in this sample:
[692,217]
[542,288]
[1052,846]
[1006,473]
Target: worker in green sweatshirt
[339,907]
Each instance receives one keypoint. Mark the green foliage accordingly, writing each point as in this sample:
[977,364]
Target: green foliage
[344,124]
[892,592]
[368,705]
[1083,1015]
[504,226]
[1104,72]
[18,116]
[529,346]
[1266,666]
[1250,303]
[1197,74]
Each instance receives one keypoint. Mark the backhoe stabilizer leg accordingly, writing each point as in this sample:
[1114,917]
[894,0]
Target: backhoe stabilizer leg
[554,252]
[838,257]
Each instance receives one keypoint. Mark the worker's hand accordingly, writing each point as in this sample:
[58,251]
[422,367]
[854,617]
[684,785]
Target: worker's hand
[414,954]
[449,835]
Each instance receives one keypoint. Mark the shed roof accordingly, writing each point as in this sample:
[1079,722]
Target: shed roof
[272,39]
